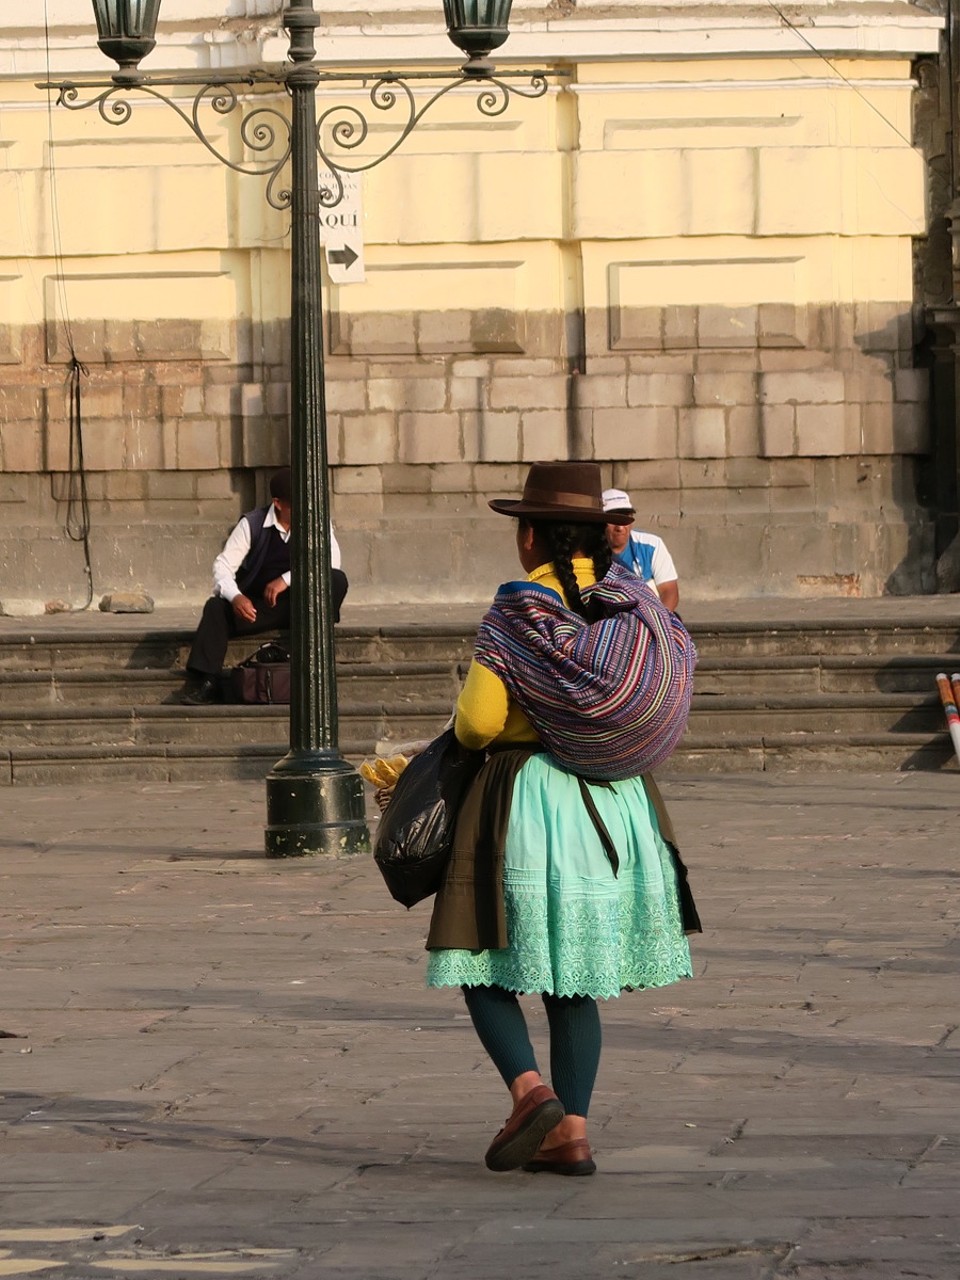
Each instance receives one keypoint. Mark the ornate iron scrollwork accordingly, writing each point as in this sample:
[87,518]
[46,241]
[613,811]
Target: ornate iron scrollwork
[265,131]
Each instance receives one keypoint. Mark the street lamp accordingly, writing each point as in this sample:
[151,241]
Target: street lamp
[127,30]
[314,797]
[477,27]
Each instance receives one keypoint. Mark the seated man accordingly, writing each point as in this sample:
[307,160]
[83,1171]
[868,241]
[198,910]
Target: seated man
[643,553]
[251,581]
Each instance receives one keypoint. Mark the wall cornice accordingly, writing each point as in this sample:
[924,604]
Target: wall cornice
[590,35]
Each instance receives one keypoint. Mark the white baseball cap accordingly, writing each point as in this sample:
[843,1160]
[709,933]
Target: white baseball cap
[617,500]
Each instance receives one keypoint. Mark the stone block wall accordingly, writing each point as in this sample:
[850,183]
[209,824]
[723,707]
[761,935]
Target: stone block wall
[173,448]
[699,280]
[762,479]
[828,507]
[791,466]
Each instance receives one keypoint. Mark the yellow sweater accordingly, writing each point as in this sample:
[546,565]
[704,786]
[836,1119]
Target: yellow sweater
[485,711]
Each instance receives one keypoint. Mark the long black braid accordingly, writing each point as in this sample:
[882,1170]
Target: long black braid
[561,540]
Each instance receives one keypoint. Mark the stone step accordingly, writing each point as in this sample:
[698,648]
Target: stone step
[209,727]
[845,713]
[734,753]
[812,673]
[415,681]
[399,681]
[412,681]
[885,673]
[809,752]
[795,694]
[43,765]
[166,650]
[856,638]
[406,719]
[55,688]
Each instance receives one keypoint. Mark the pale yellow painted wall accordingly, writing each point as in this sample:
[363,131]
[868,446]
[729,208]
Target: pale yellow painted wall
[809,193]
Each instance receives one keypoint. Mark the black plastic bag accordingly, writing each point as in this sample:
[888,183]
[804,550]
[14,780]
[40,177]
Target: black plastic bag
[415,837]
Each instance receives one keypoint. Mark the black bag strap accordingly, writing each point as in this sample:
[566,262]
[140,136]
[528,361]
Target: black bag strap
[688,907]
[609,848]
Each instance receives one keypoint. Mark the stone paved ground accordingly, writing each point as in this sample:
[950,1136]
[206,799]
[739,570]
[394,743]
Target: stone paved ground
[216,1065]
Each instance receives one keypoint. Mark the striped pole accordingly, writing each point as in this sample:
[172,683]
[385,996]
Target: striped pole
[947,697]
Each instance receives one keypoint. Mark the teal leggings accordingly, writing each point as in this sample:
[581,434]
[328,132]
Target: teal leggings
[574,1040]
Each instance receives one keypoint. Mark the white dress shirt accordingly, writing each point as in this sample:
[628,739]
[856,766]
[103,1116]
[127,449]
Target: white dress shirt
[237,546]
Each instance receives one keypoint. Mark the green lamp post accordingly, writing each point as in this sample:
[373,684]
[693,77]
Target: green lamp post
[315,802]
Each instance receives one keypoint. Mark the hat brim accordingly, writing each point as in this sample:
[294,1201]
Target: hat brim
[561,514]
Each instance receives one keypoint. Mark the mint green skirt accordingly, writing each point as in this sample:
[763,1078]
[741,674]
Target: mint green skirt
[574,927]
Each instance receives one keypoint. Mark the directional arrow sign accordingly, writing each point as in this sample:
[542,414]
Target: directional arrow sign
[341,229]
[344,257]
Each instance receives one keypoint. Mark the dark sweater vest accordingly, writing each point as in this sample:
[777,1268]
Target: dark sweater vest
[268,557]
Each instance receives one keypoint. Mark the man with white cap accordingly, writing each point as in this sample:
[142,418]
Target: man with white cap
[644,554]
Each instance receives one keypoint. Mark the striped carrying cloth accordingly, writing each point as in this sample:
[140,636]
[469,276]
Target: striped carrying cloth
[608,698]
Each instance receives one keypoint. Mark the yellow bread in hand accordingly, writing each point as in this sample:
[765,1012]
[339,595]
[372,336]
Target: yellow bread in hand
[368,773]
[383,772]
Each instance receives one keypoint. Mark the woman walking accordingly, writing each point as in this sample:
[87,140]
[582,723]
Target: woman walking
[562,882]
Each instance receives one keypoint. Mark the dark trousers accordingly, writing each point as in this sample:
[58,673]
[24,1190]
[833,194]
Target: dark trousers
[219,624]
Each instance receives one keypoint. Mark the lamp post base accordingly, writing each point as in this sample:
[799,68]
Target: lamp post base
[315,806]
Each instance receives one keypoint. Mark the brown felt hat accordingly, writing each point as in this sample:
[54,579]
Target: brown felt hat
[564,491]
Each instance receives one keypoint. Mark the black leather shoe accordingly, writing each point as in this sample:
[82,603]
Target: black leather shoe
[205,694]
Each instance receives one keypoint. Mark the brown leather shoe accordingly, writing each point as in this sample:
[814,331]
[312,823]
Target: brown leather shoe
[532,1119]
[571,1158]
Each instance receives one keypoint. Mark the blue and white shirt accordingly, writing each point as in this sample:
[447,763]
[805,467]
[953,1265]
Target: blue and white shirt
[646,555]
